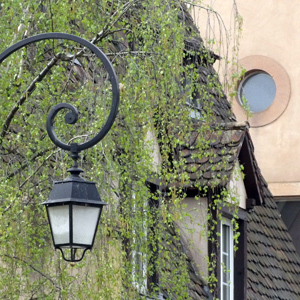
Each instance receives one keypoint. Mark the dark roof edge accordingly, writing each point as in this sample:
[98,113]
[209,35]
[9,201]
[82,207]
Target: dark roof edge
[252,172]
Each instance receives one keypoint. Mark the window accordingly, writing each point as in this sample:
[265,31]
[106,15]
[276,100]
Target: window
[139,270]
[267,89]
[257,90]
[139,258]
[189,85]
[230,268]
[189,90]
[144,275]
[227,263]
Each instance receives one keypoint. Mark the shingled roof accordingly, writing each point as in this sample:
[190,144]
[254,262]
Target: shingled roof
[202,58]
[273,263]
[215,165]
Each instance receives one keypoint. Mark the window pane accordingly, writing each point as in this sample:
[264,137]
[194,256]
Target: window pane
[225,239]
[226,267]
[226,292]
[226,261]
[259,90]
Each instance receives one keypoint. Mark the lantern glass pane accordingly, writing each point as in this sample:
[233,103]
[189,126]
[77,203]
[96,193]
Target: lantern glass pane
[85,221]
[59,221]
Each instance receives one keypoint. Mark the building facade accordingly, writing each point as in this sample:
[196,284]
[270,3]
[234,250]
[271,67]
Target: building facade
[268,85]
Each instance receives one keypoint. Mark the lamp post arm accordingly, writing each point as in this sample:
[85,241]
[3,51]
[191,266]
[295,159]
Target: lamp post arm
[72,116]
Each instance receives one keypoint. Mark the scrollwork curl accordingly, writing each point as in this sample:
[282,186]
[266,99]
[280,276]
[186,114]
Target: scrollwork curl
[71,117]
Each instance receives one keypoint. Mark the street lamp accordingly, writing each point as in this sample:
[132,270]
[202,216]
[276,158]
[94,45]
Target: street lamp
[74,206]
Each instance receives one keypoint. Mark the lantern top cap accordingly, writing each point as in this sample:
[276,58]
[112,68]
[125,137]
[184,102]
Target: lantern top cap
[75,174]
[74,190]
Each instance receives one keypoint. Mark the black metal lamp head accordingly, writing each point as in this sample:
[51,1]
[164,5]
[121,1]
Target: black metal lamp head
[74,208]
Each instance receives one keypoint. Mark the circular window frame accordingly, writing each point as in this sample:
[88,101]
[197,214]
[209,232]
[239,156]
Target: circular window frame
[258,63]
[242,84]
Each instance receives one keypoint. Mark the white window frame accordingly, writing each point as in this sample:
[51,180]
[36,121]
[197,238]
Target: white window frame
[229,252]
[138,257]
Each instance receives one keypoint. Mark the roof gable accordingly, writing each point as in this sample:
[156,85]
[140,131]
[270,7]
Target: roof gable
[212,166]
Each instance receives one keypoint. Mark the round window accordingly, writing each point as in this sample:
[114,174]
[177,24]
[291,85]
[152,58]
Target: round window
[257,91]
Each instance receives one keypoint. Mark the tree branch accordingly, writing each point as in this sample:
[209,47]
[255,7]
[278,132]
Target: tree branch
[101,35]
[23,166]
[130,52]
[57,287]
[37,169]
[27,93]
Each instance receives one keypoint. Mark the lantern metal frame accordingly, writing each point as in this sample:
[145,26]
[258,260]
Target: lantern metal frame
[71,117]
[73,191]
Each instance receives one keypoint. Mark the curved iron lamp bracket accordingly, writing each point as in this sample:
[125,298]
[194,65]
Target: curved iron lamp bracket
[72,116]
[72,257]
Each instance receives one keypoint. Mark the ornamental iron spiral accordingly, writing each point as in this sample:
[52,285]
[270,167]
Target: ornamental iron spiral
[72,116]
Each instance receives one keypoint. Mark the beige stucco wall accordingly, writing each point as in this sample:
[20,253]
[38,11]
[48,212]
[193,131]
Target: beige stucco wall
[271,29]
[237,188]
[193,230]
[151,142]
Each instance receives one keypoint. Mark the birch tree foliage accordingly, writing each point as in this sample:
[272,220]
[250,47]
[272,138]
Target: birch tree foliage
[145,42]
